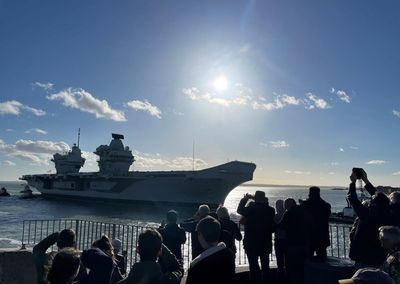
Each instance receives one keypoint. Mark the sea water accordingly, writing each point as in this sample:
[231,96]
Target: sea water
[13,210]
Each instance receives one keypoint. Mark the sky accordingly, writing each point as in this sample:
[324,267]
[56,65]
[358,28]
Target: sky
[304,89]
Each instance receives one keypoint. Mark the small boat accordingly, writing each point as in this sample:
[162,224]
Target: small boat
[3,192]
[27,194]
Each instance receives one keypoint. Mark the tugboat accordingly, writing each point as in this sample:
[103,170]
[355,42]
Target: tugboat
[115,182]
[3,192]
[27,193]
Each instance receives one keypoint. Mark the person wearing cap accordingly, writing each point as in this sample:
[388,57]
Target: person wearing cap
[319,211]
[368,276]
[119,258]
[190,225]
[173,235]
[257,234]
[390,240]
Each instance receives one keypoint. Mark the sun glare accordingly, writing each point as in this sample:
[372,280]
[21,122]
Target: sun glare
[220,83]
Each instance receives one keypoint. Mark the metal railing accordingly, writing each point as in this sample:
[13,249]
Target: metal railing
[33,231]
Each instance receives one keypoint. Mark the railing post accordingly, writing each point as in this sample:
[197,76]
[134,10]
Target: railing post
[113,231]
[76,230]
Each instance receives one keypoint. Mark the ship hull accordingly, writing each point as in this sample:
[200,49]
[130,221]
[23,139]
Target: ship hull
[178,188]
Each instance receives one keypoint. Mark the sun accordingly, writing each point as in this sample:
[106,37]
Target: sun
[220,83]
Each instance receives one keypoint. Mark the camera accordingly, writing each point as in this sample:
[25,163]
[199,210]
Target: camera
[248,195]
[358,172]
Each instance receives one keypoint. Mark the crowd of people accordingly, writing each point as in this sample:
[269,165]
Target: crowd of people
[298,232]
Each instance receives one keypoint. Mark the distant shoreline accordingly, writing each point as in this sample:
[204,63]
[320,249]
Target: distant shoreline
[288,185]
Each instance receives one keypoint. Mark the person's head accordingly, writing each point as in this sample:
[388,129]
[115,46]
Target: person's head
[172,217]
[64,267]
[394,197]
[314,192]
[66,239]
[208,230]
[116,244]
[149,245]
[279,206]
[289,203]
[105,245]
[379,202]
[368,276]
[259,196]
[223,212]
[203,211]
[390,237]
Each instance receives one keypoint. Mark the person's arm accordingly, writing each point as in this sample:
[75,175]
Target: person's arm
[242,204]
[368,185]
[183,237]
[189,226]
[174,267]
[44,244]
[236,232]
[360,210]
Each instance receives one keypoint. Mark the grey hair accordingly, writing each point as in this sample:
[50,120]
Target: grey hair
[390,233]
[394,197]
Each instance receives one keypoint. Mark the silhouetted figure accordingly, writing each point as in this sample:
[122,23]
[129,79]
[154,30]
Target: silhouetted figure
[280,238]
[216,264]
[365,247]
[296,224]
[64,267]
[190,226]
[394,199]
[119,258]
[390,240]
[257,234]
[319,212]
[64,239]
[100,262]
[173,235]
[147,270]
[229,230]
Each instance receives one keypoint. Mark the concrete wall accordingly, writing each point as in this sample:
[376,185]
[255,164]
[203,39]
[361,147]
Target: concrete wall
[17,267]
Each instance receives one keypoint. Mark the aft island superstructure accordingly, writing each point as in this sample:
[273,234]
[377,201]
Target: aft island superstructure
[114,181]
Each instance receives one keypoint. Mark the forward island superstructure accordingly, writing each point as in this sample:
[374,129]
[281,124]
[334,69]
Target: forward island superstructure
[114,181]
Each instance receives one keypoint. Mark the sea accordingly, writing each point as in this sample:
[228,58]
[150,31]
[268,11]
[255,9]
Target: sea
[13,210]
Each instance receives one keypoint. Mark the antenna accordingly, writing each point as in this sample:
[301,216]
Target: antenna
[79,136]
[193,156]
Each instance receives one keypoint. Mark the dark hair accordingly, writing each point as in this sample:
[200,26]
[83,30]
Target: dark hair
[105,245]
[150,242]
[209,228]
[172,216]
[314,192]
[66,239]
[64,266]
[380,199]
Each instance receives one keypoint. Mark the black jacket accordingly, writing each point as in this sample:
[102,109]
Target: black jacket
[229,232]
[101,266]
[173,238]
[259,226]
[319,211]
[190,226]
[213,266]
[365,246]
[296,223]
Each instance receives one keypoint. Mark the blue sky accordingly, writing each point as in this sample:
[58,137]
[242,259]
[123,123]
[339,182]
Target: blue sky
[304,90]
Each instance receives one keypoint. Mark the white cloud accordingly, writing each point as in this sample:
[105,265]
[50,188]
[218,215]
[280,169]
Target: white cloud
[276,144]
[353,147]
[396,173]
[9,129]
[334,164]
[341,149]
[38,146]
[30,157]
[312,102]
[343,96]
[151,161]
[145,106]
[46,86]
[396,113]
[376,162]
[331,173]
[14,107]
[7,163]
[37,130]
[297,172]
[84,101]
